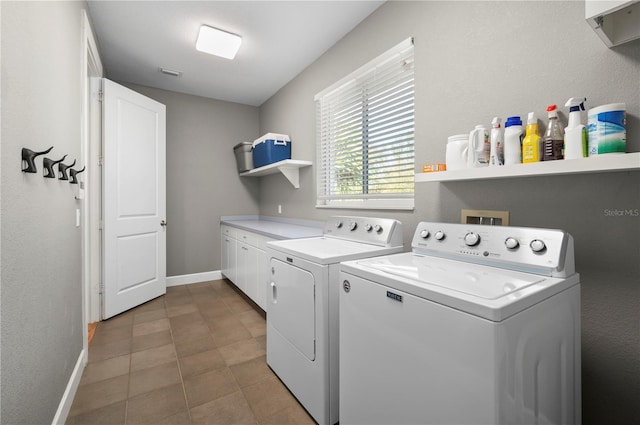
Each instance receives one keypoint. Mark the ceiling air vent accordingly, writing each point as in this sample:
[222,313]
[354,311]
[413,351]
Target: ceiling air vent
[170,72]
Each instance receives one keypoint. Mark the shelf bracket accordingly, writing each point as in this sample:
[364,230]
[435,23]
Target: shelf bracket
[292,174]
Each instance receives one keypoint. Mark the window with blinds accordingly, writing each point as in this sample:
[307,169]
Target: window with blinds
[365,135]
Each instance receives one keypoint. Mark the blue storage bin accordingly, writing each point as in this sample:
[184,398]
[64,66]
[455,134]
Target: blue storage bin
[271,148]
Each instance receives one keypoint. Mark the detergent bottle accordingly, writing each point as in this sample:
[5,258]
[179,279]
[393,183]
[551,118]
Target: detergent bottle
[496,155]
[531,142]
[513,141]
[575,134]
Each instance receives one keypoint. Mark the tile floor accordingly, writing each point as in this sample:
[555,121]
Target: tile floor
[193,356]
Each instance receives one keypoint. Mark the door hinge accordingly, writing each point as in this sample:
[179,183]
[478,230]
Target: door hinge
[100,161]
[100,95]
[100,225]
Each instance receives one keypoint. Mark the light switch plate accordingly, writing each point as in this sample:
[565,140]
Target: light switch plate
[495,218]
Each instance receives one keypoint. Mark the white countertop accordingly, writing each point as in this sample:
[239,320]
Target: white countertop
[275,227]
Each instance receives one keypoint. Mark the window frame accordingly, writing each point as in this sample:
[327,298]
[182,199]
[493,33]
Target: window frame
[386,201]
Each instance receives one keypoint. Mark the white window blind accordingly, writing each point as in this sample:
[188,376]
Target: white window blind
[365,135]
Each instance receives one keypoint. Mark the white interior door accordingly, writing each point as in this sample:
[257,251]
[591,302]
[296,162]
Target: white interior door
[134,204]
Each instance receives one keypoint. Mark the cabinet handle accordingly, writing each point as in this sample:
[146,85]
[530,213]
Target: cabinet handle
[245,248]
[274,293]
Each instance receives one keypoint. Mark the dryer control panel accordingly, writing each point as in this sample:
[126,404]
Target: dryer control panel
[541,251]
[377,231]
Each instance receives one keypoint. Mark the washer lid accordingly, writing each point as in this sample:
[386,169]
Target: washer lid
[489,283]
[488,292]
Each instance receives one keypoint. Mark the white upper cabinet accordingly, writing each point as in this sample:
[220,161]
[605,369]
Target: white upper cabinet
[615,21]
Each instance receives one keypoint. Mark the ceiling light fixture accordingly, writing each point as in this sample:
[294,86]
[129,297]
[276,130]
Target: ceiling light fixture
[170,72]
[217,42]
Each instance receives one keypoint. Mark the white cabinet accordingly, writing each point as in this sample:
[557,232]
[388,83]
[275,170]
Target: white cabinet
[615,21]
[244,262]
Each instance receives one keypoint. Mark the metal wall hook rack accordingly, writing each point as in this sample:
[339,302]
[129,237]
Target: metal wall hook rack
[62,169]
[47,165]
[73,173]
[29,156]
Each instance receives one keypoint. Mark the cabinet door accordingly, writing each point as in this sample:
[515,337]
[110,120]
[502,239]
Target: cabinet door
[262,274]
[224,255]
[243,266]
[251,273]
[229,258]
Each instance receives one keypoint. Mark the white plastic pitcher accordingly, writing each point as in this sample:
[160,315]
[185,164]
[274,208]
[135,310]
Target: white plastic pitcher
[456,153]
[479,147]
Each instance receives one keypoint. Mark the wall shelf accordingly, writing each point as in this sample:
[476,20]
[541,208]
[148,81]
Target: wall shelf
[597,164]
[288,167]
[615,21]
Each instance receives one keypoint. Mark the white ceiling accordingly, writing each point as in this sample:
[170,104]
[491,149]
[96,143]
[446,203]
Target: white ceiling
[279,40]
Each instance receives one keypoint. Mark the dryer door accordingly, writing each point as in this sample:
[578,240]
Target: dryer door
[291,309]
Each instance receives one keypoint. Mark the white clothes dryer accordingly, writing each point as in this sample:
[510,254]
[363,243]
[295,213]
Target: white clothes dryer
[478,325]
[302,305]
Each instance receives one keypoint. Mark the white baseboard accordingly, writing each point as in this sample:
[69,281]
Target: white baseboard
[187,279]
[70,392]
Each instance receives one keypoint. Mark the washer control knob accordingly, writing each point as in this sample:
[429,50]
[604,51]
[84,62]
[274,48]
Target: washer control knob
[511,243]
[439,235]
[338,224]
[472,239]
[353,226]
[368,227]
[377,228]
[537,245]
[424,234]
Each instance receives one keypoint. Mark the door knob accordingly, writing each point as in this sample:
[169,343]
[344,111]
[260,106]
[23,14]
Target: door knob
[163,223]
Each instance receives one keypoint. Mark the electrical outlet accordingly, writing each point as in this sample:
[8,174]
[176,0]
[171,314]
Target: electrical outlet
[487,217]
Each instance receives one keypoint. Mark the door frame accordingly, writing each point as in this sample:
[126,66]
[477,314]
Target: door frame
[90,66]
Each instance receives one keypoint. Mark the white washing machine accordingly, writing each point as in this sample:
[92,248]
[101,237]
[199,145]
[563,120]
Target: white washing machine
[302,309]
[478,325]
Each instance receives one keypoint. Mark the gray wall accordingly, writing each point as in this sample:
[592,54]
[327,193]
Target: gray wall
[202,181]
[475,60]
[41,335]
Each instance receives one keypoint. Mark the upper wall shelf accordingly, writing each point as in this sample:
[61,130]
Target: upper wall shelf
[288,167]
[597,164]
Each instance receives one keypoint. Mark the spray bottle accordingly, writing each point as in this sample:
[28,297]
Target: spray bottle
[575,134]
[531,142]
[496,156]
[553,141]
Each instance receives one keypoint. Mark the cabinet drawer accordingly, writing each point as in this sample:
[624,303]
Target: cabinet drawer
[246,237]
[228,231]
